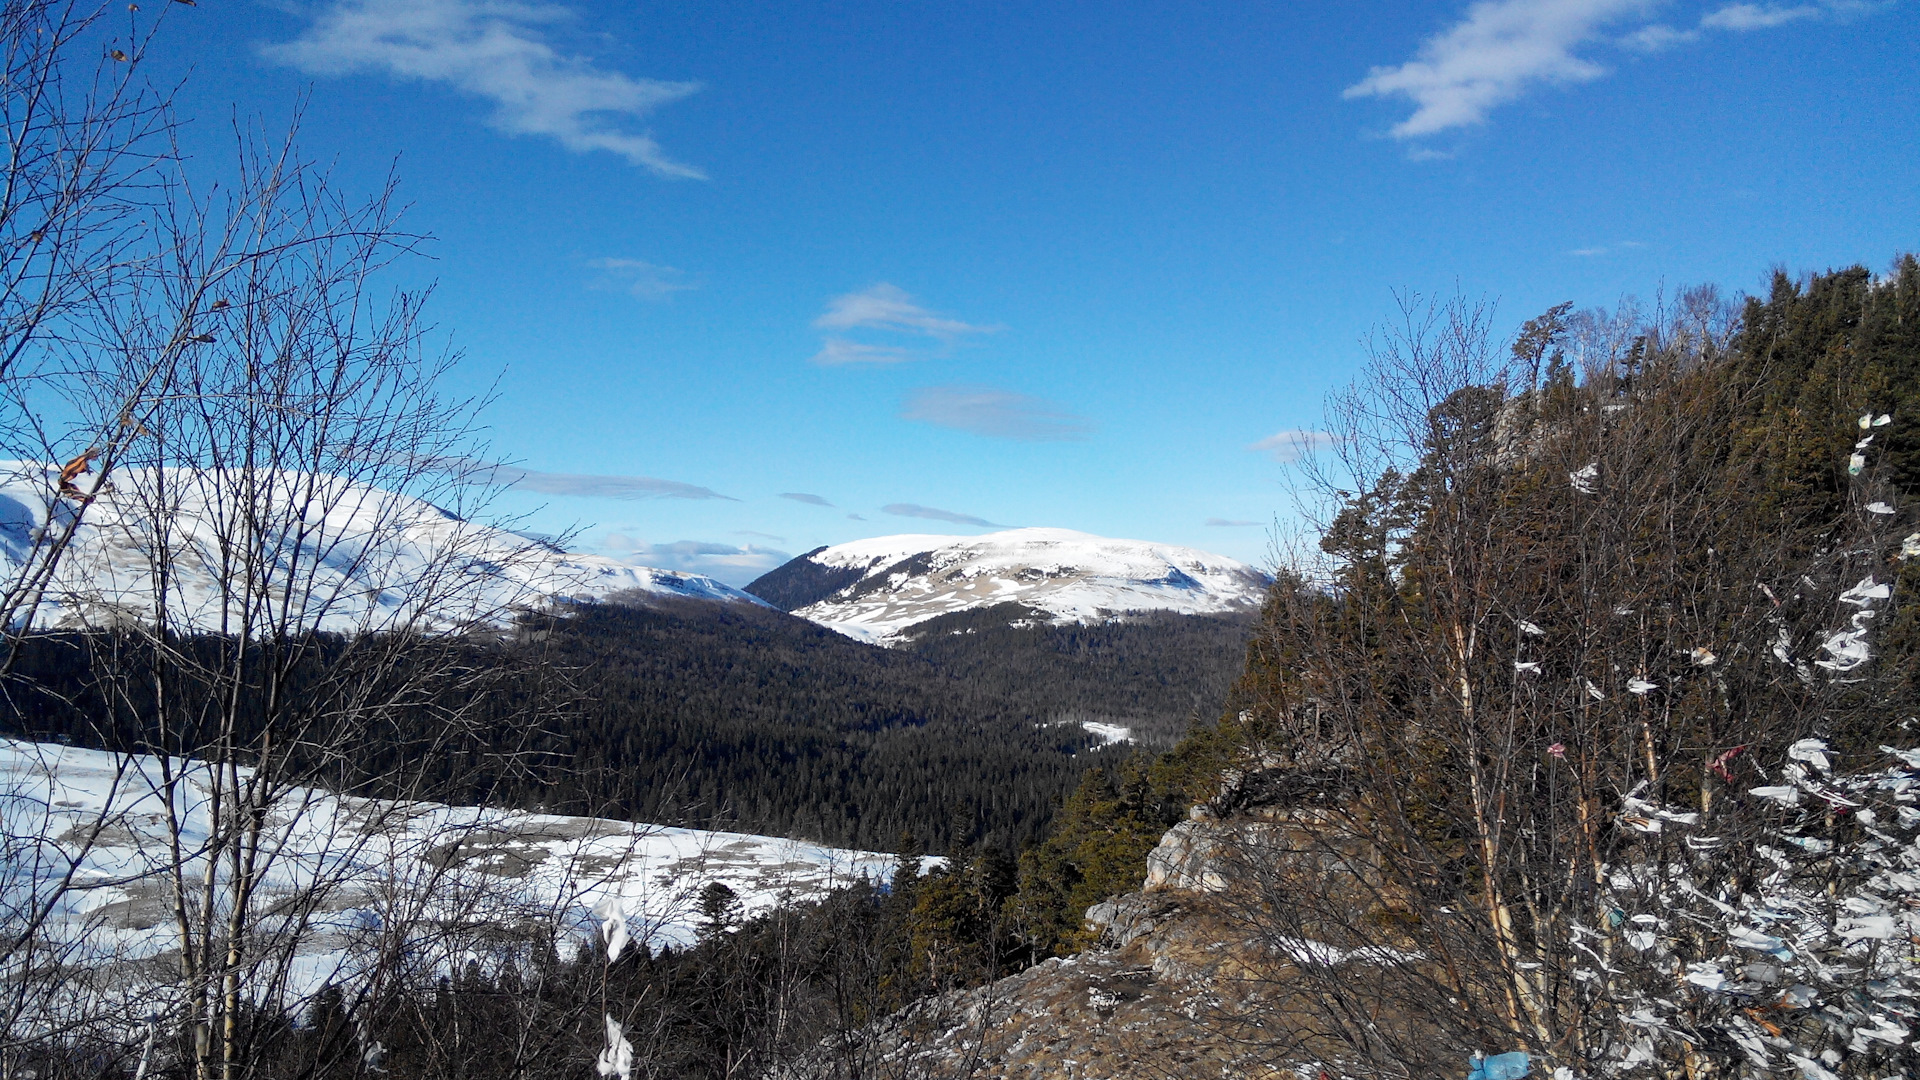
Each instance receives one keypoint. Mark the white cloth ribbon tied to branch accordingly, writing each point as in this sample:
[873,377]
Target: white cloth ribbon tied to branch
[1583,481]
[612,913]
[617,1058]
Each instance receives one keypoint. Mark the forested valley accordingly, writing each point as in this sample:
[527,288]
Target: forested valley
[1574,598]
[689,712]
[1645,517]
[1578,735]
[1675,699]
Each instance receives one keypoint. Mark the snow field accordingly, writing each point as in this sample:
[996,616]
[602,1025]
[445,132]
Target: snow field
[352,878]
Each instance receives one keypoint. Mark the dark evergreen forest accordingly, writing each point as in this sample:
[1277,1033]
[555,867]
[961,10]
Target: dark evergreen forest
[694,713]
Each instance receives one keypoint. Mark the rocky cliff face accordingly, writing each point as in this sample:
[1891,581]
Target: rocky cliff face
[1183,985]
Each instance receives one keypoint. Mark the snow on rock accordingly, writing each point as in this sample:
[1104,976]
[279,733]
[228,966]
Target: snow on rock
[883,586]
[366,861]
[364,559]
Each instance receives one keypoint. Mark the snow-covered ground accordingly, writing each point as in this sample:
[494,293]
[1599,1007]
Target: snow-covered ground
[368,867]
[360,558]
[1108,734]
[1072,576]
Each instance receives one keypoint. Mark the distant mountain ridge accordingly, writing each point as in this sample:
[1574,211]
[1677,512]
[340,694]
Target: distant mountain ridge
[368,559]
[877,589]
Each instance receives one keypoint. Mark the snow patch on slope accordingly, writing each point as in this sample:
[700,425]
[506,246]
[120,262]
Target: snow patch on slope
[1072,576]
[363,559]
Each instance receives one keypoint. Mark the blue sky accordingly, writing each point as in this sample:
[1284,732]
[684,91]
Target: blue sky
[756,278]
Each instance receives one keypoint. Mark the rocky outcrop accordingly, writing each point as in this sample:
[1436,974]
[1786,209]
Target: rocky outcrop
[1204,854]
[1180,986]
[1167,1004]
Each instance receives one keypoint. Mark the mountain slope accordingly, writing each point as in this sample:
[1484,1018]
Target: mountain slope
[359,558]
[1150,675]
[875,589]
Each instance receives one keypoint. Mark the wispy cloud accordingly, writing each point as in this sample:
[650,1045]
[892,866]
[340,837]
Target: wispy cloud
[894,327]
[1734,18]
[914,510]
[588,485]
[1504,49]
[644,280]
[734,565]
[495,50]
[888,307]
[761,535]
[1000,414]
[855,517]
[835,351]
[1223,523]
[803,497]
[1658,37]
[1605,249]
[1758,16]
[1291,444]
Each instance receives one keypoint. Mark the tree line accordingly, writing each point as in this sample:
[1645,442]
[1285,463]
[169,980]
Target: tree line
[693,713]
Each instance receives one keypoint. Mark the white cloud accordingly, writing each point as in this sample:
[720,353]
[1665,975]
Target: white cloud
[1503,49]
[588,485]
[892,323]
[888,307]
[1001,414]
[1757,16]
[1224,523]
[804,497]
[835,351]
[644,280]
[1658,37]
[495,50]
[1291,444]
[734,565]
[933,513]
[1597,250]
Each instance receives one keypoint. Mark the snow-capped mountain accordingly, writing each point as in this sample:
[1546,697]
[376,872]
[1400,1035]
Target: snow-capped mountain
[874,589]
[353,557]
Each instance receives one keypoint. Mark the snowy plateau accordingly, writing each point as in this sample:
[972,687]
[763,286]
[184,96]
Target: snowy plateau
[367,559]
[875,590]
[91,833]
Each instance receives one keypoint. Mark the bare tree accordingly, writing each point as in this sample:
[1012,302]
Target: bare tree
[87,140]
[263,535]
[285,556]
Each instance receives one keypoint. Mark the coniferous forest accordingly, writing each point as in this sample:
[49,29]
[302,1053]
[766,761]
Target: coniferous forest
[741,718]
[377,701]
